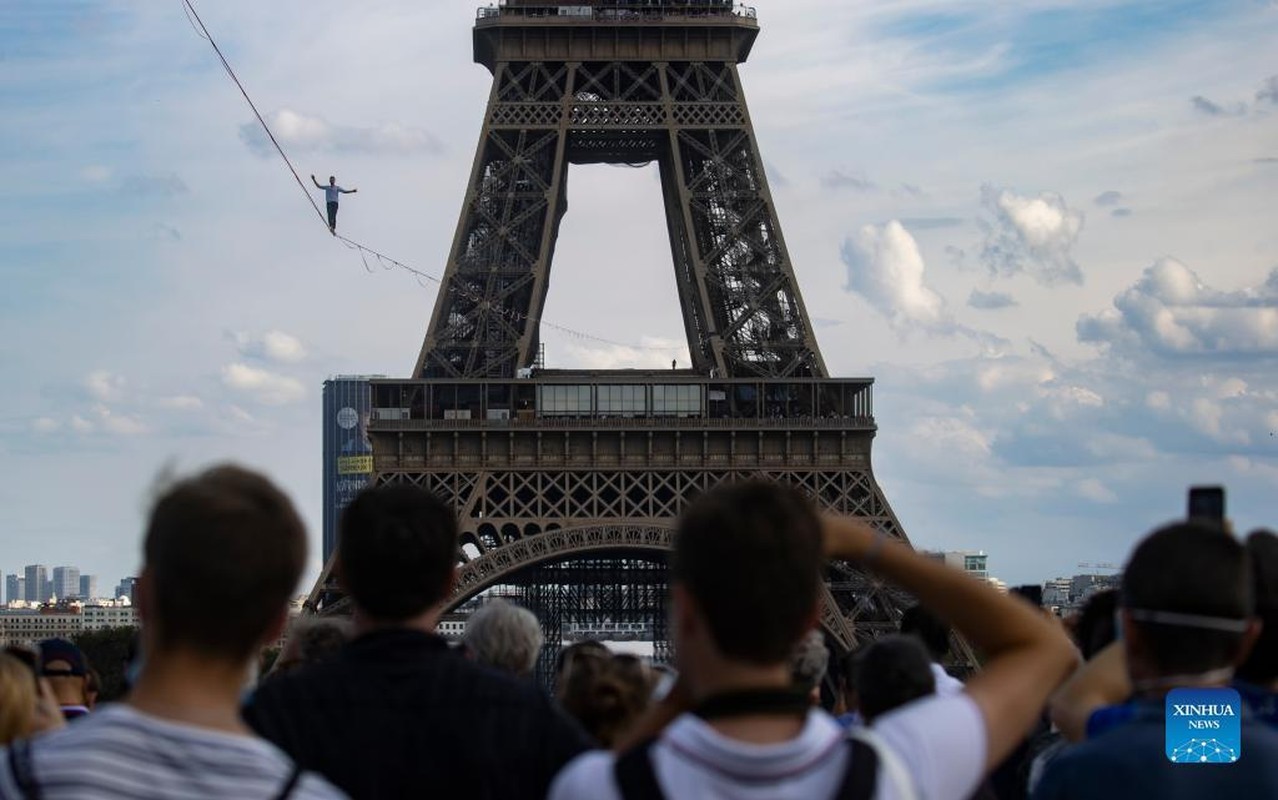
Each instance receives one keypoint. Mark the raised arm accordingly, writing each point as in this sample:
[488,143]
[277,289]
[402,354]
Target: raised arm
[1100,682]
[317,183]
[1027,656]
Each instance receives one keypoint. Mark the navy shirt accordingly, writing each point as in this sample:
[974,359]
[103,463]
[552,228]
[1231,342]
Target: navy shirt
[1129,761]
[398,714]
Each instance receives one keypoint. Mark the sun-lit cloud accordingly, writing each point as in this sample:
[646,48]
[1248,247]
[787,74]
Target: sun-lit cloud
[266,387]
[1028,235]
[304,133]
[274,346]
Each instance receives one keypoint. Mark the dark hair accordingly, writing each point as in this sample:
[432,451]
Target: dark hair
[1261,666]
[929,629]
[224,551]
[1189,568]
[567,654]
[891,672]
[750,554]
[397,550]
[606,694]
[1096,629]
[311,640]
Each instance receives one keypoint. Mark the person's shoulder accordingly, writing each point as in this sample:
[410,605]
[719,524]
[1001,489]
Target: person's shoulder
[588,776]
[313,786]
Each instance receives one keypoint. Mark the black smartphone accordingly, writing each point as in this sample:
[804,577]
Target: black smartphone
[1207,503]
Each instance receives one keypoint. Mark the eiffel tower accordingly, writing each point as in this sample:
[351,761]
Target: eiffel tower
[568,483]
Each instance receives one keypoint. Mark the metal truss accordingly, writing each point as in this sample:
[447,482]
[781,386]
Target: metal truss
[741,304]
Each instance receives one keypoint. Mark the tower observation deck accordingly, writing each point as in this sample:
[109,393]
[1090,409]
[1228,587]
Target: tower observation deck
[568,483]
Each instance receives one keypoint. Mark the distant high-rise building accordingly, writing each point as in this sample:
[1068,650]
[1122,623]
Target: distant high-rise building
[66,582]
[125,589]
[88,587]
[973,562]
[15,588]
[37,588]
[348,452]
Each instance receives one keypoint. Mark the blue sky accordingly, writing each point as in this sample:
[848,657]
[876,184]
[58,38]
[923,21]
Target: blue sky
[1046,228]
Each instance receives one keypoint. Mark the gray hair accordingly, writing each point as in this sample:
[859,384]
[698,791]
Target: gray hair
[504,636]
[809,661]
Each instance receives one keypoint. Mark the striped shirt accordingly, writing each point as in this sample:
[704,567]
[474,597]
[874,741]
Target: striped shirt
[119,752]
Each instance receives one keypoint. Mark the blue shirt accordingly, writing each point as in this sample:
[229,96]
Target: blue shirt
[1263,704]
[1129,761]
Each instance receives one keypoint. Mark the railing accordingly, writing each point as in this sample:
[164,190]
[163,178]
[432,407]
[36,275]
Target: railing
[625,423]
[637,11]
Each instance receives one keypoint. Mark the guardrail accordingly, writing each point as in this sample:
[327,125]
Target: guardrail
[619,12]
[625,423]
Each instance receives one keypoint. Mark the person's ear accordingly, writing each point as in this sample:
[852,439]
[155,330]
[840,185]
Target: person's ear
[1254,626]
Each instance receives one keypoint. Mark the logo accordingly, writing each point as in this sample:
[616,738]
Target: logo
[347,418]
[1203,726]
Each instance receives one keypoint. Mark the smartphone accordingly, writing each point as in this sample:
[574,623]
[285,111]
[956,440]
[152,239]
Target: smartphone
[1207,503]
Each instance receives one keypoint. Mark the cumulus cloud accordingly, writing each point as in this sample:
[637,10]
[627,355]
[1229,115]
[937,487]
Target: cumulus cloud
[886,268]
[303,133]
[1030,235]
[104,385]
[839,179]
[1108,198]
[989,301]
[181,402]
[45,425]
[169,185]
[266,387]
[1092,489]
[274,345]
[1170,311]
[119,424]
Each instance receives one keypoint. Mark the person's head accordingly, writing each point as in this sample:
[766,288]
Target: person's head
[504,636]
[605,695]
[573,657]
[1095,628]
[223,552]
[891,672]
[808,664]
[1187,603]
[17,699]
[1261,666]
[331,180]
[745,575]
[929,629]
[63,665]
[397,552]
[310,640]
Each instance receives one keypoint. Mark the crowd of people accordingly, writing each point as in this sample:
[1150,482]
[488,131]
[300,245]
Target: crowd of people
[755,706]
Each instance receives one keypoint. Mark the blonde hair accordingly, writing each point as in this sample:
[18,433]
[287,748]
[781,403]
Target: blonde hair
[17,700]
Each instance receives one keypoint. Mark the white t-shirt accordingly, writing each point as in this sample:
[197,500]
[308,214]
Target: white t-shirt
[939,740]
[945,682]
[330,193]
[119,752]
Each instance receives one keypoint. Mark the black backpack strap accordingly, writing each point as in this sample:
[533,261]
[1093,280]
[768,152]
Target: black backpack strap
[20,768]
[635,775]
[287,789]
[862,773]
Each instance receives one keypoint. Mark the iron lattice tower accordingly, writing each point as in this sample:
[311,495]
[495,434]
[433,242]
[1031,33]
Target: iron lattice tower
[568,483]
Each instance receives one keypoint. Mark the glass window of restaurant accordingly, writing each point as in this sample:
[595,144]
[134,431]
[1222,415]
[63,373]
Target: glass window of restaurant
[680,400]
[623,400]
[564,401]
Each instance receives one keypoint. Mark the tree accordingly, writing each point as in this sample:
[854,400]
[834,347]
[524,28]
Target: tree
[108,651]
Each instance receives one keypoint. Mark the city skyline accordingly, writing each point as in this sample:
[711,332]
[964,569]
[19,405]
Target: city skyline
[1044,230]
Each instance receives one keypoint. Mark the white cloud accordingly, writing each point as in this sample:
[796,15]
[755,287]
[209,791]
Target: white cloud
[266,387]
[1172,312]
[275,346]
[181,402]
[886,268]
[104,385]
[45,425]
[1208,418]
[990,301]
[96,173]
[81,425]
[1092,489]
[120,424]
[1030,235]
[299,132]
[654,353]
[1158,400]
